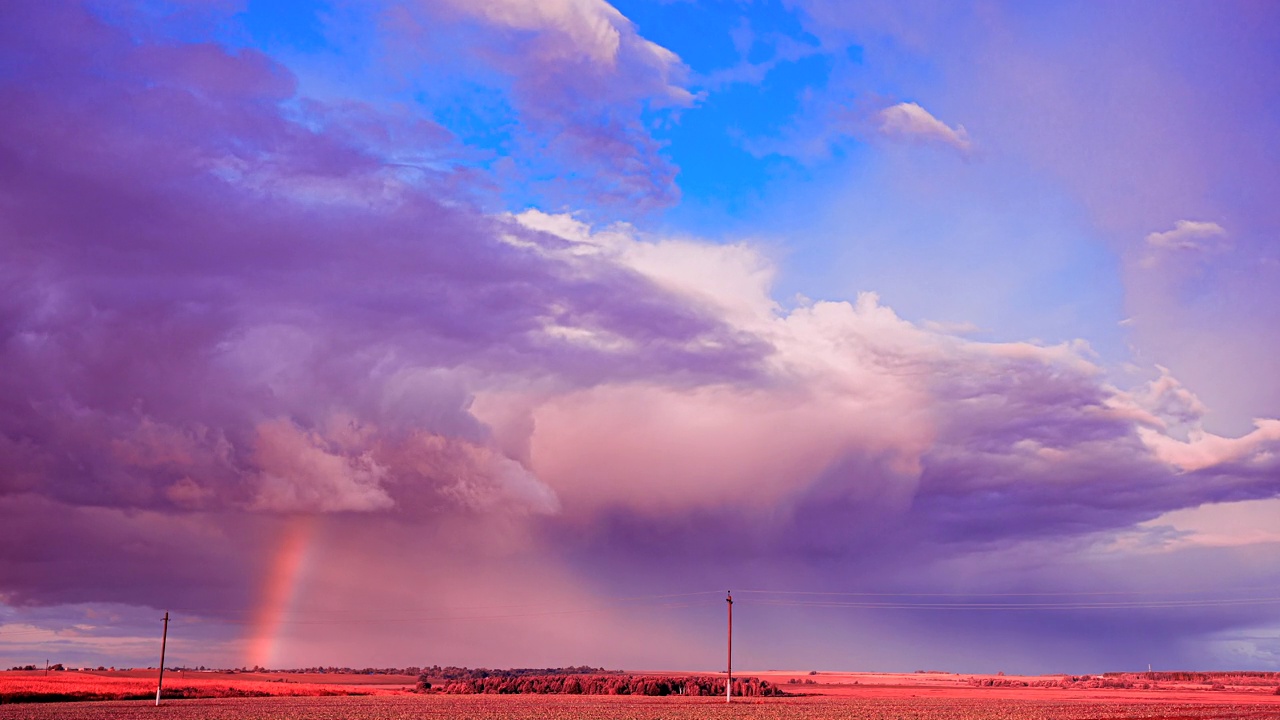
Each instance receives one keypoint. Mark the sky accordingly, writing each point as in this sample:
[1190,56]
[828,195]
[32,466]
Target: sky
[514,334]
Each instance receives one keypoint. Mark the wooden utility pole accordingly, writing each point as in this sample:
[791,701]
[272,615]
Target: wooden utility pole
[164,638]
[728,686]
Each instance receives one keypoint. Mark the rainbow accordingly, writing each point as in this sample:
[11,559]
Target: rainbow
[280,590]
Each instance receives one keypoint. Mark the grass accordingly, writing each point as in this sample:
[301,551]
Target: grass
[18,687]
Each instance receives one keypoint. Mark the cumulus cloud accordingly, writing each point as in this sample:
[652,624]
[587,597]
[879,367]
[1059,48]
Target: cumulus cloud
[1169,419]
[858,415]
[251,310]
[909,121]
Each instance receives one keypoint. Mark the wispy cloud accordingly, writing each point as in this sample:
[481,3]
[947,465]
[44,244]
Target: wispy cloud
[1188,235]
[909,121]
[1188,239]
[582,81]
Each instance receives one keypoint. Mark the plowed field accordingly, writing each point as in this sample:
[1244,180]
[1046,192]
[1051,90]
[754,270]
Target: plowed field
[559,707]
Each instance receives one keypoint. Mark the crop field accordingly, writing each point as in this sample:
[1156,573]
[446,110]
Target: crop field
[848,696]
[70,686]
[562,707]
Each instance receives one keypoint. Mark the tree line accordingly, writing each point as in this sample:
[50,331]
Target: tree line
[603,684]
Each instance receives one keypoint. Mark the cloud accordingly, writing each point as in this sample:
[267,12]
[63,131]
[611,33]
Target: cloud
[582,81]
[862,417]
[1206,450]
[223,303]
[301,473]
[588,27]
[1018,83]
[1188,235]
[1219,524]
[908,120]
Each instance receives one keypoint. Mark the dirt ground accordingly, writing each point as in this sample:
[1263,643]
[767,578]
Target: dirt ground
[957,685]
[849,696]
[602,707]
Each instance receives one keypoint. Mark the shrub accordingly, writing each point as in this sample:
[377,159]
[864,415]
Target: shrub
[613,684]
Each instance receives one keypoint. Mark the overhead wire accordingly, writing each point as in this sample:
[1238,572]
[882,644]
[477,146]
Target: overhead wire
[1149,599]
[338,616]
[955,606]
[1074,593]
[872,601]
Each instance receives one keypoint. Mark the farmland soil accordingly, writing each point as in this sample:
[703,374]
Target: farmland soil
[564,707]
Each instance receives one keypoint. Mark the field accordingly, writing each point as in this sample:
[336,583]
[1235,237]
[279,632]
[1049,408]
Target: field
[26,687]
[565,707]
[851,696]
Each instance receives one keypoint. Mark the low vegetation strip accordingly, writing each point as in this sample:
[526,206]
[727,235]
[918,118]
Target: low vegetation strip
[1261,678]
[71,687]
[451,672]
[608,684]
[1248,681]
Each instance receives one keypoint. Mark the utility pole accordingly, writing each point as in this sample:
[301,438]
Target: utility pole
[728,686]
[164,638]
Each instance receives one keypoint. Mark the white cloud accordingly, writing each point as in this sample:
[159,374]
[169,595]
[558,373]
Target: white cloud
[943,327]
[732,279]
[844,383]
[591,29]
[1169,421]
[912,121]
[1204,449]
[590,25]
[1188,235]
[844,387]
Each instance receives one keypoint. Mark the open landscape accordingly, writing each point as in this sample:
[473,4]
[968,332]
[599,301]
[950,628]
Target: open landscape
[374,360]
[857,696]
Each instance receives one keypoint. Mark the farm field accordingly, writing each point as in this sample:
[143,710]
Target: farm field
[1045,687]
[557,707]
[25,687]
[855,696]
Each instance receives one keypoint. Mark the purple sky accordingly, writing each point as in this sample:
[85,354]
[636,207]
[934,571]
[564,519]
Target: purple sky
[513,333]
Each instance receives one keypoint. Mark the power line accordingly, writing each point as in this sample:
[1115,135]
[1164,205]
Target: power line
[936,602]
[409,613]
[1134,605]
[362,616]
[1085,593]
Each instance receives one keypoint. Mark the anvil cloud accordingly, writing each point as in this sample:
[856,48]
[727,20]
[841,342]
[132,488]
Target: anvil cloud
[278,351]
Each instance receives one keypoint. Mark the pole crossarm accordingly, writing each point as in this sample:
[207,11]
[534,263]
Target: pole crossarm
[728,686]
[164,639]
